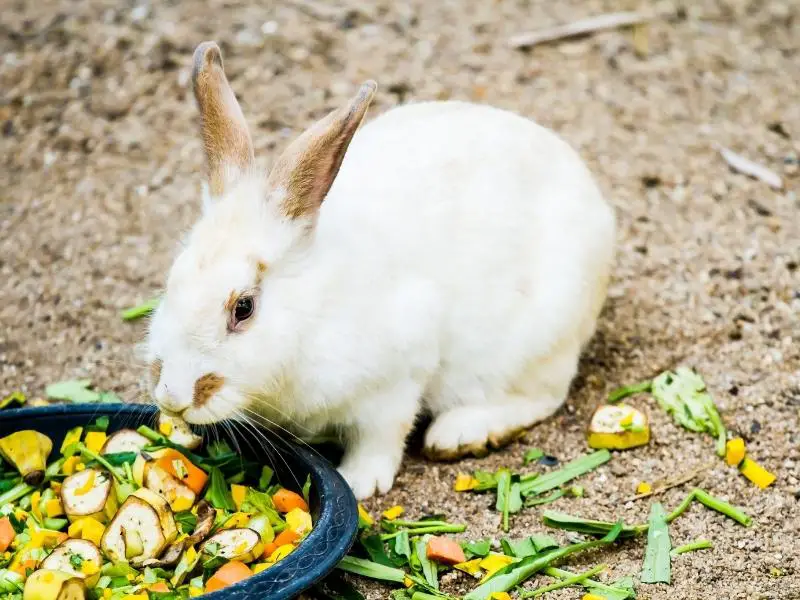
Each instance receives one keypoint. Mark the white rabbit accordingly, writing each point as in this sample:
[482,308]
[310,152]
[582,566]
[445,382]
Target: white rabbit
[448,257]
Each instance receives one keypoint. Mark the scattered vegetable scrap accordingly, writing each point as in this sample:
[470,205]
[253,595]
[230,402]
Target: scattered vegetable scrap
[13,400]
[130,514]
[618,427]
[79,391]
[140,311]
[683,395]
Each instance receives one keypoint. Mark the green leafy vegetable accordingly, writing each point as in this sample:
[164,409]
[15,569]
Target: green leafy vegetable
[691,547]
[307,489]
[371,569]
[78,391]
[478,548]
[486,480]
[532,485]
[266,478]
[656,567]
[532,455]
[551,497]
[402,546]
[218,493]
[142,310]
[516,573]
[621,590]
[576,579]
[429,568]
[374,547]
[629,390]
[262,503]
[509,499]
[683,395]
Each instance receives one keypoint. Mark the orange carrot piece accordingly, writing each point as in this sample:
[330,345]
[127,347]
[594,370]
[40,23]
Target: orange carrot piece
[7,534]
[287,536]
[228,574]
[194,477]
[444,550]
[159,587]
[286,500]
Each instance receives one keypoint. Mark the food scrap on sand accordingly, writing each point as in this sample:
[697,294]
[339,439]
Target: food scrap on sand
[134,514]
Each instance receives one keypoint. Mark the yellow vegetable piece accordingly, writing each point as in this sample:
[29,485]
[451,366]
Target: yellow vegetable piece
[500,596]
[493,563]
[407,582]
[734,451]
[28,452]
[280,553]
[366,518]
[45,538]
[53,508]
[69,465]
[238,519]
[181,503]
[73,436]
[36,510]
[756,473]
[87,528]
[464,483]
[136,597]
[644,488]
[298,521]
[194,592]
[55,486]
[94,440]
[89,567]
[191,554]
[257,568]
[80,467]
[392,513]
[471,567]
[592,597]
[107,593]
[165,427]
[239,492]
[87,487]
[618,427]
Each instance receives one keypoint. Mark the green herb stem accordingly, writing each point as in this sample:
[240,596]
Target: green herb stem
[422,530]
[552,497]
[87,453]
[692,546]
[629,390]
[723,507]
[532,485]
[15,493]
[567,582]
[141,310]
[373,570]
[610,590]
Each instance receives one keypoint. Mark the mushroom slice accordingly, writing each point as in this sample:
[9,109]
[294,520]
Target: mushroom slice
[240,544]
[206,514]
[178,431]
[124,440]
[72,557]
[179,496]
[88,493]
[45,584]
[143,527]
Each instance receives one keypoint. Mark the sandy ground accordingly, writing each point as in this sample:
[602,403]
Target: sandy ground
[100,160]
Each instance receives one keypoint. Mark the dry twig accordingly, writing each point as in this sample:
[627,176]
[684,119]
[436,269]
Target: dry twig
[669,484]
[576,28]
[745,166]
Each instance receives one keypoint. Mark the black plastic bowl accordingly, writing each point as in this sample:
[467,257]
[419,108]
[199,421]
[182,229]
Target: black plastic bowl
[333,505]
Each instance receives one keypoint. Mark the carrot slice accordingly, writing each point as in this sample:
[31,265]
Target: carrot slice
[286,500]
[287,536]
[159,587]
[444,550]
[184,470]
[228,574]
[7,534]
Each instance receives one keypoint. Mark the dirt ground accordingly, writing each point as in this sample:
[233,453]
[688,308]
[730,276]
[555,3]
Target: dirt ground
[100,159]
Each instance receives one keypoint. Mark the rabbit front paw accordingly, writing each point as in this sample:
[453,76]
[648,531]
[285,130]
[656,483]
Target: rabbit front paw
[368,474]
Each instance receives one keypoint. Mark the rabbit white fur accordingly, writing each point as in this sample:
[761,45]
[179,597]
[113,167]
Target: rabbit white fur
[457,264]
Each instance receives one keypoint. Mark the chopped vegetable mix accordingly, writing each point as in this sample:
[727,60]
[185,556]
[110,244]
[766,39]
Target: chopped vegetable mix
[137,515]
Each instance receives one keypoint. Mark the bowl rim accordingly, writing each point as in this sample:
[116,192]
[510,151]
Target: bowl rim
[318,554]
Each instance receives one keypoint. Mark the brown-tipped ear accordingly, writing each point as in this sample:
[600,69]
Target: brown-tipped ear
[229,150]
[307,168]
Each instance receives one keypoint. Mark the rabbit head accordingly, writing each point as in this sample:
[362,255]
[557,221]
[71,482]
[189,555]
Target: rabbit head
[223,331]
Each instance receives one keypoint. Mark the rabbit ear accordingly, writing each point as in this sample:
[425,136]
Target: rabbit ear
[307,168]
[229,150]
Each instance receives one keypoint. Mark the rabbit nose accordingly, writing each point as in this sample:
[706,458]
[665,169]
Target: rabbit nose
[167,401]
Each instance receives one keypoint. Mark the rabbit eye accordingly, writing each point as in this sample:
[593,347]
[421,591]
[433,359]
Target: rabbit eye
[243,309]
